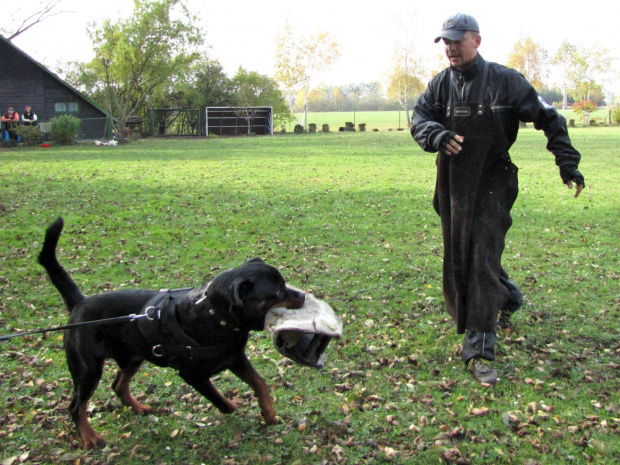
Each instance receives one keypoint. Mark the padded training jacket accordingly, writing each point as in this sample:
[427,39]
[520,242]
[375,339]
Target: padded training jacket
[512,99]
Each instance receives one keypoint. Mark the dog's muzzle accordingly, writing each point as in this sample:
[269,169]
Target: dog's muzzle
[303,334]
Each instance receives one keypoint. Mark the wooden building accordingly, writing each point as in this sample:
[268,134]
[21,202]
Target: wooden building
[24,81]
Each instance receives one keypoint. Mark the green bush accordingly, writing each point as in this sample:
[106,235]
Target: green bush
[615,113]
[30,135]
[64,129]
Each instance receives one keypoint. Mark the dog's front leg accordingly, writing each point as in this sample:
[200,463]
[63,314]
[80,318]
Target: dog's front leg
[246,373]
[206,388]
[121,388]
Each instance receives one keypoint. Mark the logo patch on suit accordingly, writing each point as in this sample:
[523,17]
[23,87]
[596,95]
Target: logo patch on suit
[543,103]
[462,111]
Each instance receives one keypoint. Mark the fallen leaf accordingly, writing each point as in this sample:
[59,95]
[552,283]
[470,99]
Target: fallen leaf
[479,412]
[455,456]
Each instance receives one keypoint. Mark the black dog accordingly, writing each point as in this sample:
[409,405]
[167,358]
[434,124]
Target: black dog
[200,332]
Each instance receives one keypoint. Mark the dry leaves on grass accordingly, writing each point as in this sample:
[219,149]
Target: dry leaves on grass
[455,456]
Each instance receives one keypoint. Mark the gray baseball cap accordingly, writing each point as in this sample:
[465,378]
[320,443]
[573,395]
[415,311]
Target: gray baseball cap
[456,26]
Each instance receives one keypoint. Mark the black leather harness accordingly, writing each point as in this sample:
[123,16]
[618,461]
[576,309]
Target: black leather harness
[171,345]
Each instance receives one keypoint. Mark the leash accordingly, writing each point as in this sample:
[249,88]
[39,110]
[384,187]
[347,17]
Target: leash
[107,321]
[119,319]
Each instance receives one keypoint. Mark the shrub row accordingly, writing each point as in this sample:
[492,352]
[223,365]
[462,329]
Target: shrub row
[64,130]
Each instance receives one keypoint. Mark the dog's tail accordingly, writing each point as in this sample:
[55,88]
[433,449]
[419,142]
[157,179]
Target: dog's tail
[69,291]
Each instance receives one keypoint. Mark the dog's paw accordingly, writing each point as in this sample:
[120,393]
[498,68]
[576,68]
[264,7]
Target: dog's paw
[92,441]
[228,408]
[271,420]
[141,409]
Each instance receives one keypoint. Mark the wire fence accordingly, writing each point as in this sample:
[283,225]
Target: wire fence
[90,128]
[95,128]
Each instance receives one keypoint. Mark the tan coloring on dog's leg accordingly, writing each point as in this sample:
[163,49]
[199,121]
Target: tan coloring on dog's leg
[246,373]
[90,439]
[121,388]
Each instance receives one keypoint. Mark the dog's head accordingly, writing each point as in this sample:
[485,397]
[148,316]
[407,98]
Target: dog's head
[250,291]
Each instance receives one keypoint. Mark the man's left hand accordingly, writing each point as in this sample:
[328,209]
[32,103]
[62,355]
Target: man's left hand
[570,174]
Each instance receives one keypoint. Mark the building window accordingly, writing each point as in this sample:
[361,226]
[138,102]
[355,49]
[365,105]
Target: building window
[66,107]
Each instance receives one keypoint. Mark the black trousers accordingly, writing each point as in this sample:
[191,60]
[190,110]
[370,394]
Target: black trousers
[478,344]
[481,345]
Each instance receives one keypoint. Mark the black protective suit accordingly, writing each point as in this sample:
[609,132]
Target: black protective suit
[476,189]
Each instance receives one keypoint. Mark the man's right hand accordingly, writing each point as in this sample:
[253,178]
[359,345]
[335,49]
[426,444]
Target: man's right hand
[570,174]
[449,143]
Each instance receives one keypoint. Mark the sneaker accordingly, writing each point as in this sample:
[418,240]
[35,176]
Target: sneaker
[482,370]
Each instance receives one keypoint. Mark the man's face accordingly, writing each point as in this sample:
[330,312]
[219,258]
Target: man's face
[462,52]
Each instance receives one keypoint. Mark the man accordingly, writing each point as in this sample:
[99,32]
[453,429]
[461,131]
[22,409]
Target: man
[29,117]
[470,114]
[10,120]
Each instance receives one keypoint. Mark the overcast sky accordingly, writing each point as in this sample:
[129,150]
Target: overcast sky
[242,32]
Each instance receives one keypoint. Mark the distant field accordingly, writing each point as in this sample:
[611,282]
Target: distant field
[386,120]
[382,120]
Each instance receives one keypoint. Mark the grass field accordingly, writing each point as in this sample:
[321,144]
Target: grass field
[347,216]
[393,120]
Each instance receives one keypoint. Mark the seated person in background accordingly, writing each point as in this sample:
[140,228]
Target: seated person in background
[10,120]
[29,117]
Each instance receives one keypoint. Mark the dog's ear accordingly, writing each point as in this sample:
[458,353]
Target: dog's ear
[240,289]
[256,260]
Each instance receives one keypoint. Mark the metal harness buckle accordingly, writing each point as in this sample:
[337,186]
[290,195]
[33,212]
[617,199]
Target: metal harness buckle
[153,313]
[157,351]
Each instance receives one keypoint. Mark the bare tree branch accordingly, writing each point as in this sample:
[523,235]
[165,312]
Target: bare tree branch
[37,18]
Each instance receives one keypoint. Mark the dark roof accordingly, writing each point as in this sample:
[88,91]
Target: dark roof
[53,75]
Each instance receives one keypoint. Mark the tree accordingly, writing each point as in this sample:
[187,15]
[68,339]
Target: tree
[321,98]
[135,56]
[212,86]
[203,84]
[46,11]
[405,78]
[436,65]
[297,62]
[252,89]
[366,96]
[583,108]
[531,60]
[580,69]
[552,95]
[371,97]
[565,60]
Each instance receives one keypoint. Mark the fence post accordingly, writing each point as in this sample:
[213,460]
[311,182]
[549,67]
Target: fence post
[109,126]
